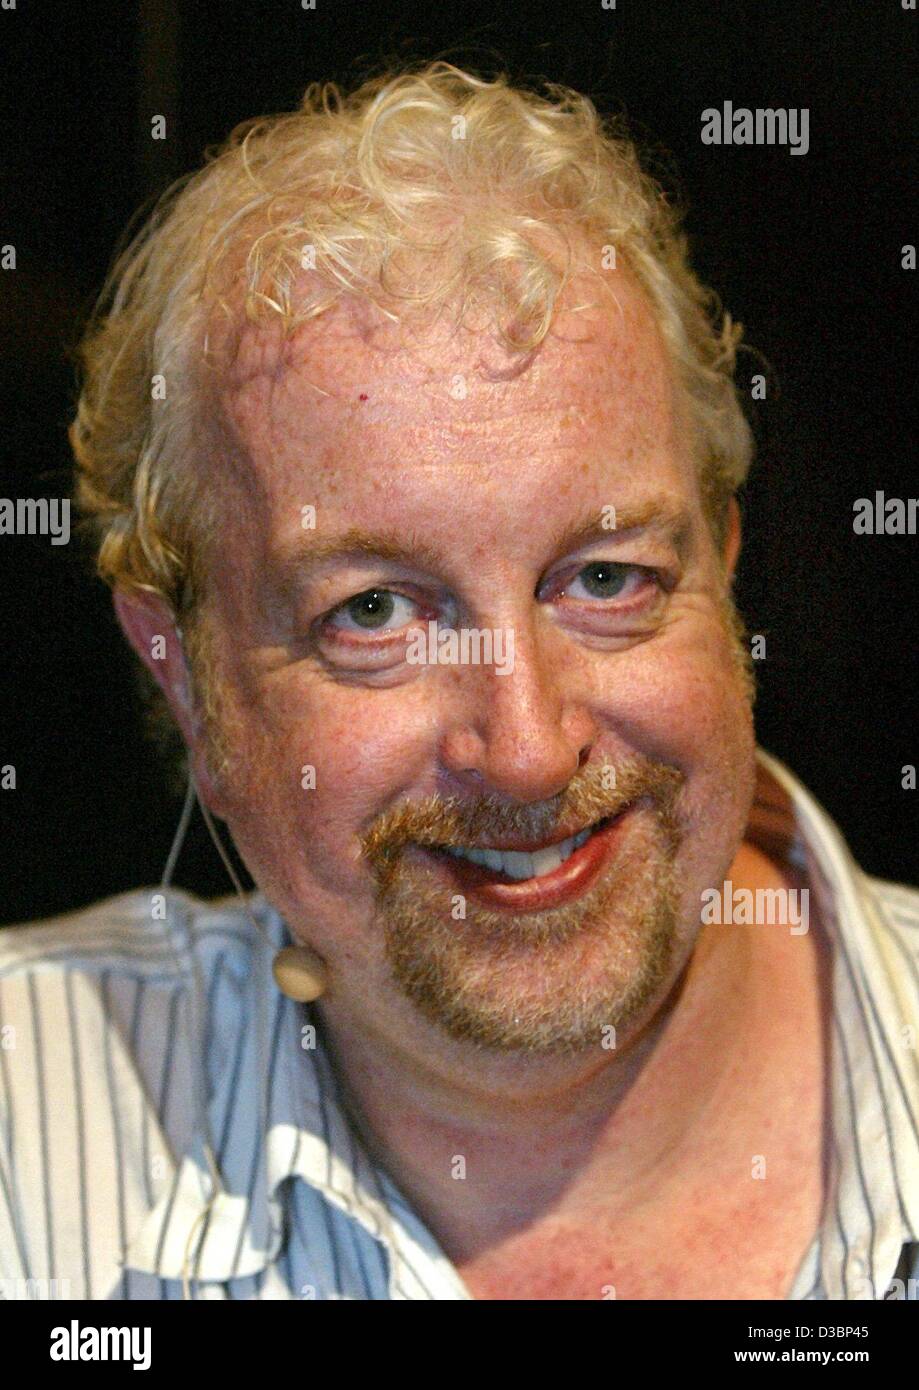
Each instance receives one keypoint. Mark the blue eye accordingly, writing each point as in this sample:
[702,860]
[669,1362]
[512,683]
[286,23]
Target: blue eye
[605,578]
[372,610]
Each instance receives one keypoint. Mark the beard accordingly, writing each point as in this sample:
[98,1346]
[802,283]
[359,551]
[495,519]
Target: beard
[558,981]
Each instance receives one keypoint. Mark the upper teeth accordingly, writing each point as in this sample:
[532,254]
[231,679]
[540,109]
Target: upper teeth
[518,865]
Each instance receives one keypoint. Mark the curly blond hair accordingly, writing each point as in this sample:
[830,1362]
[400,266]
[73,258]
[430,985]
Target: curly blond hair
[419,187]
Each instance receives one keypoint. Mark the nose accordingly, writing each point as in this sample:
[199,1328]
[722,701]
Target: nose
[522,735]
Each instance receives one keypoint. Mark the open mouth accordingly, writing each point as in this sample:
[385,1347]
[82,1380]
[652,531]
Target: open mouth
[530,880]
[518,866]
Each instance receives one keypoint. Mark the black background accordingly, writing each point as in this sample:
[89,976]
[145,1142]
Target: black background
[805,251]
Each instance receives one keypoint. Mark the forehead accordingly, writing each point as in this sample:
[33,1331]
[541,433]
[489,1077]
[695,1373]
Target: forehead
[445,437]
[351,374]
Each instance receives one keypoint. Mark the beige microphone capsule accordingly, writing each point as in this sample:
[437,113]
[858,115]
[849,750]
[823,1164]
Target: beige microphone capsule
[300,973]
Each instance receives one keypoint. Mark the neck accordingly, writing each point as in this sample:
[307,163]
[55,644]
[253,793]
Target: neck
[480,1159]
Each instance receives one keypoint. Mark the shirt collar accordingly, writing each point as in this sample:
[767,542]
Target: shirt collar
[284,1068]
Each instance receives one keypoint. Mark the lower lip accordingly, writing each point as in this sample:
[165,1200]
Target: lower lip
[568,881]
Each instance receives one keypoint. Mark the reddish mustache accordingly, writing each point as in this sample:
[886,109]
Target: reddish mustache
[450,822]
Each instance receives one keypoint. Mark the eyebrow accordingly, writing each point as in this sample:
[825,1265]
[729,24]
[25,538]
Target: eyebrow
[659,514]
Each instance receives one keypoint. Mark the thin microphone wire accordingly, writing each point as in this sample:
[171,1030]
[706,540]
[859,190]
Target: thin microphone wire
[179,838]
[227,864]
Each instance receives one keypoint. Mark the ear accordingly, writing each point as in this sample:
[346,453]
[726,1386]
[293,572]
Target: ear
[148,623]
[732,539]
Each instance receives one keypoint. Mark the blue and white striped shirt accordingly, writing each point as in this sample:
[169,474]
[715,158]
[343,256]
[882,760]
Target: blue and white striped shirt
[110,1017]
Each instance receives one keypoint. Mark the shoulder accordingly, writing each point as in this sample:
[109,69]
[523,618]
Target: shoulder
[110,985]
[99,1065]
[143,934]
[878,973]
[898,904]
[894,909]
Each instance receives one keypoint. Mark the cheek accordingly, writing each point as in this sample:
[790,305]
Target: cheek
[682,701]
[324,764]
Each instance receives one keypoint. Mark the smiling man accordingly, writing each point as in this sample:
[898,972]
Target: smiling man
[429,361]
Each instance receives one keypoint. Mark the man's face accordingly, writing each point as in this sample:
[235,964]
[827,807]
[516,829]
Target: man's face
[353,763]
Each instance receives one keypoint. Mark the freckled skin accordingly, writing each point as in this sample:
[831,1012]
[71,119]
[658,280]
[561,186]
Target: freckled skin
[487,481]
